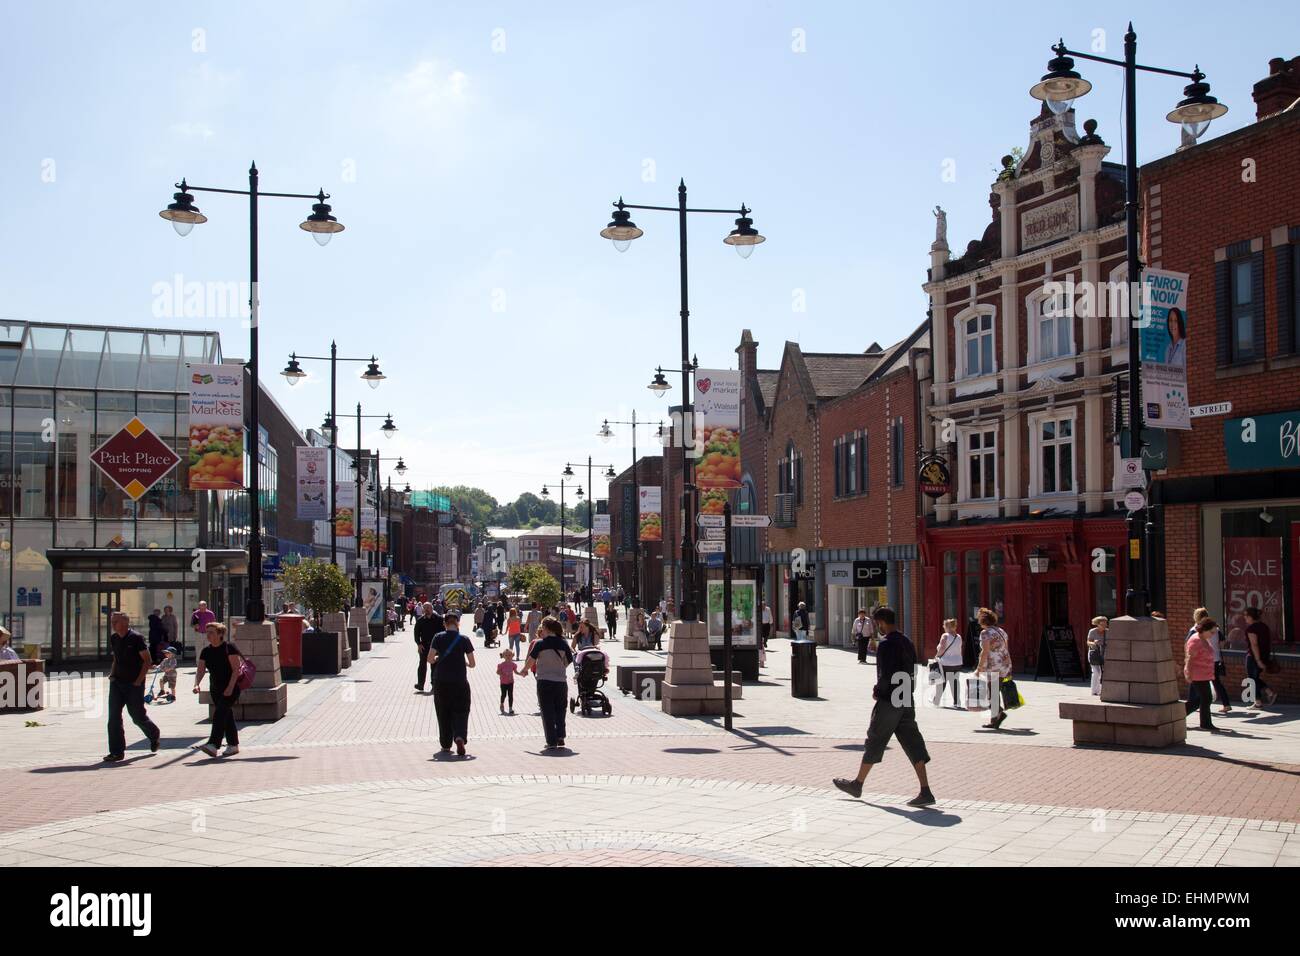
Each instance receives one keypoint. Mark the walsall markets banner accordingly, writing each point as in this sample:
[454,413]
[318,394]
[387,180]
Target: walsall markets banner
[1163,341]
[216,418]
[717,428]
[651,520]
[367,528]
[600,535]
[313,483]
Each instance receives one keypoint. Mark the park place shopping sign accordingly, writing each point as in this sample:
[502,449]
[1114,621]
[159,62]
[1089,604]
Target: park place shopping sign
[135,459]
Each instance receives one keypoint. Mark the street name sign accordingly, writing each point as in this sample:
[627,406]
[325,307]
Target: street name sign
[134,458]
[1205,411]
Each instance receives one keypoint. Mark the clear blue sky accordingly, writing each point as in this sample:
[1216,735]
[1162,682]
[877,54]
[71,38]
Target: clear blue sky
[473,150]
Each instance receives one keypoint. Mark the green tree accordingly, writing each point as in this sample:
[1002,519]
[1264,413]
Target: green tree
[474,503]
[318,585]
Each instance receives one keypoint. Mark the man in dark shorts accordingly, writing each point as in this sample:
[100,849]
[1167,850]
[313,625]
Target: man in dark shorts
[894,714]
[451,654]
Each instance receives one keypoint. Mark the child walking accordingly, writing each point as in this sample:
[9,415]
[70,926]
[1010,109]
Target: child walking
[167,670]
[506,671]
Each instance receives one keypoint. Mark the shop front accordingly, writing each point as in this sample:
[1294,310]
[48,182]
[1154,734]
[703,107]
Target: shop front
[1037,575]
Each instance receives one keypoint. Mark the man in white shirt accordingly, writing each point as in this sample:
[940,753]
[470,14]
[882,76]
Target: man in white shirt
[863,632]
[767,623]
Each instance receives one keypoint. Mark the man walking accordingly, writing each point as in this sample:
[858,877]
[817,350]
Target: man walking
[429,626]
[894,713]
[126,688]
[767,624]
[800,622]
[199,622]
[863,631]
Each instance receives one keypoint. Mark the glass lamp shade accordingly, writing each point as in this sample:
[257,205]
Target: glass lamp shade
[320,223]
[606,433]
[293,372]
[659,385]
[621,230]
[1197,109]
[182,213]
[401,467]
[1060,85]
[372,376]
[744,237]
[546,492]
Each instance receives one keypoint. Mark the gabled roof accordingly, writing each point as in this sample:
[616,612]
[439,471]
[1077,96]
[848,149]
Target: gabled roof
[766,379]
[833,374]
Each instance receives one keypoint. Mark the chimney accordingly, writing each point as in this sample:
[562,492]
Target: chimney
[1279,89]
[748,352]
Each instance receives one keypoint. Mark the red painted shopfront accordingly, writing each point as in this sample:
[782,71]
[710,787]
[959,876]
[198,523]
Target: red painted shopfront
[988,565]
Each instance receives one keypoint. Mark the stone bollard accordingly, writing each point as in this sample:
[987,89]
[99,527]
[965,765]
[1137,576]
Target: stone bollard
[688,688]
[1140,705]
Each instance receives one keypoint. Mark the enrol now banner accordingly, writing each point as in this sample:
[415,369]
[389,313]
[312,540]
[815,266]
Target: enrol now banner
[1163,345]
[345,509]
[717,428]
[600,535]
[313,479]
[216,418]
[650,518]
[1252,577]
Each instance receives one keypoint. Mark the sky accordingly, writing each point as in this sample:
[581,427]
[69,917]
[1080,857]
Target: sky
[473,150]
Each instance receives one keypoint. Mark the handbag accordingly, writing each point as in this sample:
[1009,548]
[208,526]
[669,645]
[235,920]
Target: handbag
[1011,698]
[977,693]
[1095,656]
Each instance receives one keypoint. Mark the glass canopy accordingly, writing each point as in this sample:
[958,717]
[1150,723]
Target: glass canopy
[93,356]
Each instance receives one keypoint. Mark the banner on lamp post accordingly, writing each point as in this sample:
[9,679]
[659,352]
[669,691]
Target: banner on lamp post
[600,535]
[717,428]
[367,529]
[313,483]
[345,509]
[216,423]
[650,519]
[1163,345]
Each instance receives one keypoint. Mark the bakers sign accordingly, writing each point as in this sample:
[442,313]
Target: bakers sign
[934,478]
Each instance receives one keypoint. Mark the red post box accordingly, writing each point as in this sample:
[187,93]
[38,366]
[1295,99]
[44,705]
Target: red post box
[289,628]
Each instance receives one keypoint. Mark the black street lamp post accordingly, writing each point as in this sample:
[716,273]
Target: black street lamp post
[381,554]
[621,231]
[184,216]
[1059,88]
[605,434]
[293,373]
[388,428]
[546,493]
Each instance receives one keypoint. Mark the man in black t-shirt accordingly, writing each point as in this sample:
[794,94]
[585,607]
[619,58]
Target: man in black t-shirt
[429,626]
[894,713]
[131,663]
[451,654]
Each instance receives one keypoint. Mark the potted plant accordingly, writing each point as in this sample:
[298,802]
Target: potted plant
[320,586]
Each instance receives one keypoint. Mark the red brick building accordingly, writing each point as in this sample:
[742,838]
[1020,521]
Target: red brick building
[1227,212]
[624,525]
[1021,400]
[828,445]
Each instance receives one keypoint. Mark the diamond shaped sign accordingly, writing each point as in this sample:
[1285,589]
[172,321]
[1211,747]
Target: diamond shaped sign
[135,458]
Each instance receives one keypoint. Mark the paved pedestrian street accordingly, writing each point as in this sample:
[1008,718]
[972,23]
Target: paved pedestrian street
[350,777]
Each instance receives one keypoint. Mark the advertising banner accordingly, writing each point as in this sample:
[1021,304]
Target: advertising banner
[627,520]
[1252,577]
[1163,344]
[345,509]
[313,483]
[717,428]
[134,458]
[216,421]
[367,528]
[650,522]
[744,616]
[600,535]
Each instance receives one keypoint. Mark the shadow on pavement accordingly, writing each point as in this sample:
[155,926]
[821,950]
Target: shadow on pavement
[441,757]
[691,751]
[95,765]
[926,816]
[207,761]
[1007,731]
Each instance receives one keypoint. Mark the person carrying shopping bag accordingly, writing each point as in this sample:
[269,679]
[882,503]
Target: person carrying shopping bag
[1097,650]
[994,664]
[948,656]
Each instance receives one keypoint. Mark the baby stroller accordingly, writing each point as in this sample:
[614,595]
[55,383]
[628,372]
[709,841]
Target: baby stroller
[591,678]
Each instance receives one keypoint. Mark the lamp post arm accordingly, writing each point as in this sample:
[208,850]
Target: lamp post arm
[245,192]
[1120,63]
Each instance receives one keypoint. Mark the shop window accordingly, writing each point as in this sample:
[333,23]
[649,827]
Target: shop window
[1105,583]
[997,587]
[950,584]
[974,567]
[1259,545]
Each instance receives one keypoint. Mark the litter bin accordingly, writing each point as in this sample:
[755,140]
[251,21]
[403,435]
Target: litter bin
[289,628]
[803,668]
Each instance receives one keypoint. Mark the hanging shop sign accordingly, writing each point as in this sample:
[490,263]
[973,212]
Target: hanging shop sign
[216,427]
[934,478]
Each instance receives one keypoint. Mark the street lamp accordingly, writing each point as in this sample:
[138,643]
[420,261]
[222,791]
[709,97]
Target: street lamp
[591,533]
[659,385]
[607,433]
[356,463]
[293,374]
[1058,88]
[184,216]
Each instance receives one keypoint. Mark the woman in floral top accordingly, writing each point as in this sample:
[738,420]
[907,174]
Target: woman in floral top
[994,663]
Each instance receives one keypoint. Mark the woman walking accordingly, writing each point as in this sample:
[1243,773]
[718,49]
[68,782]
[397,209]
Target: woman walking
[1220,691]
[514,629]
[611,619]
[450,655]
[548,660]
[585,637]
[1097,650]
[220,659]
[994,664]
[1198,668]
[948,654]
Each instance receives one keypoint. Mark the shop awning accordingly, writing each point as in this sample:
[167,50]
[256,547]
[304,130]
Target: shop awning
[232,560]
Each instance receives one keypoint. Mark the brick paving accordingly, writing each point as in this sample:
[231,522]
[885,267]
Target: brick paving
[369,732]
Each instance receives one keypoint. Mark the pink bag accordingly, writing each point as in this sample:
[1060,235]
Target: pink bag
[247,671]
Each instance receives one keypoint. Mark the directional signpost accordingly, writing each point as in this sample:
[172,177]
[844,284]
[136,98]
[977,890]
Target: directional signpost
[710,547]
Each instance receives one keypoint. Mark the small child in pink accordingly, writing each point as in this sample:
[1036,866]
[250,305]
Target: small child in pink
[506,671]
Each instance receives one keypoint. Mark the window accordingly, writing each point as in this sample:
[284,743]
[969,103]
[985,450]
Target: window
[997,587]
[1117,305]
[981,454]
[1052,328]
[789,476]
[847,468]
[1242,311]
[975,331]
[1105,584]
[862,464]
[1052,447]
[896,452]
[950,584]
